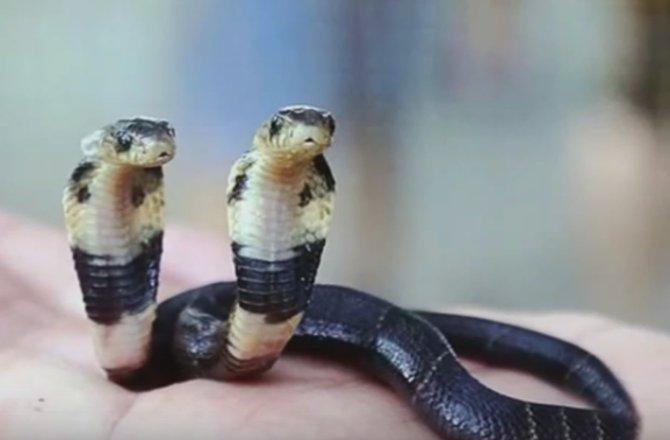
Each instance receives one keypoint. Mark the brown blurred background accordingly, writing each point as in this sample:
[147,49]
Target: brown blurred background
[512,154]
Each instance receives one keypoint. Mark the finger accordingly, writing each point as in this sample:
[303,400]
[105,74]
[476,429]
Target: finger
[39,257]
[638,356]
[641,359]
[20,314]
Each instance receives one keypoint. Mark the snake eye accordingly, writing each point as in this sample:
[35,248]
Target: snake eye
[123,142]
[275,125]
[330,123]
[166,128]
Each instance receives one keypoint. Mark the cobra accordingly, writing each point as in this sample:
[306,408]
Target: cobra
[280,199]
[113,208]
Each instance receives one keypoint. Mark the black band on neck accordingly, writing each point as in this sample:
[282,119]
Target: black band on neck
[279,289]
[110,290]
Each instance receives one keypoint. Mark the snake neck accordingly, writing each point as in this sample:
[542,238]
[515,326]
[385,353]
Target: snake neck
[113,211]
[265,223]
[278,216]
[115,223]
[108,214]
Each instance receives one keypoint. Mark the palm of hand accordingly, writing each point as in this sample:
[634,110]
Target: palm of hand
[51,386]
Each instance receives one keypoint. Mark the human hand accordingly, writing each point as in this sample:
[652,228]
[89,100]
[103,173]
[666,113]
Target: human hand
[51,386]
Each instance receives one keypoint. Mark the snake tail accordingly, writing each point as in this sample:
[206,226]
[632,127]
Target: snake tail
[417,360]
[565,364]
[113,206]
[412,353]
[280,200]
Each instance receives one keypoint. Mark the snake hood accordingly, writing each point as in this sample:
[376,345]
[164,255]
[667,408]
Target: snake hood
[139,141]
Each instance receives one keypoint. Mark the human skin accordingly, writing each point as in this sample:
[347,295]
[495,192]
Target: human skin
[51,386]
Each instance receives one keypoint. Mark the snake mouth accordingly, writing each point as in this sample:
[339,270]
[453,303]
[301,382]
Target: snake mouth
[312,143]
[162,159]
[161,154]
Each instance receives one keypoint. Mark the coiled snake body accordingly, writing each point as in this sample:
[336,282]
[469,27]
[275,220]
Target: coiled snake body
[280,199]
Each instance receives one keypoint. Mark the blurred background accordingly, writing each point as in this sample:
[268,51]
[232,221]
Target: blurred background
[506,153]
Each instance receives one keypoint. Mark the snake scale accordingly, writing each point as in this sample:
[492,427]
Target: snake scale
[280,200]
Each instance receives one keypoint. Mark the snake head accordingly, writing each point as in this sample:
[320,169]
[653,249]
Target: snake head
[139,141]
[200,341]
[296,132]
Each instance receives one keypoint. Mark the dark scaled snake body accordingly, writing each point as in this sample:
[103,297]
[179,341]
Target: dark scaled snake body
[280,200]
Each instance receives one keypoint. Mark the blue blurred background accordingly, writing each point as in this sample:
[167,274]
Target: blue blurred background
[511,154]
